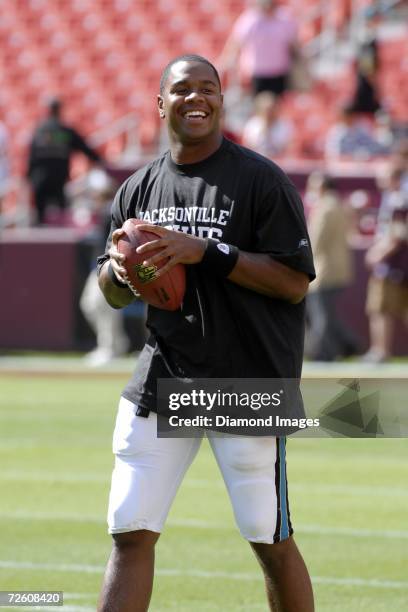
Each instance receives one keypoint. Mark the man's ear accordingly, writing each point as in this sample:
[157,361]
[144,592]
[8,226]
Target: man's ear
[160,104]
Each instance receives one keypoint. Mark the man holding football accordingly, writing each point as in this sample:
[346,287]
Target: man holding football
[236,221]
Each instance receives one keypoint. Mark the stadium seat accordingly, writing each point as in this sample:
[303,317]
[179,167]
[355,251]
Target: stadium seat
[105,58]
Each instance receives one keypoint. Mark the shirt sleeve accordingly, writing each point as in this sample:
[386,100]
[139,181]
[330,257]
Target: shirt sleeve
[281,231]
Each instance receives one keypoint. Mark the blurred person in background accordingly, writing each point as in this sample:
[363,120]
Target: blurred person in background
[394,187]
[365,98]
[384,131]
[4,162]
[329,224]
[106,322]
[387,293]
[266,132]
[400,159]
[353,138]
[50,152]
[263,44]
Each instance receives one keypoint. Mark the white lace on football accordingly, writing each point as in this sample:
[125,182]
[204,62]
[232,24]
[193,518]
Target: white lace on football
[133,289]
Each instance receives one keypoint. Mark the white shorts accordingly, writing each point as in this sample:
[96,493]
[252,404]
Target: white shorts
[149,470]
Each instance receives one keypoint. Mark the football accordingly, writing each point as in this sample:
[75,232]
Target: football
[167,291]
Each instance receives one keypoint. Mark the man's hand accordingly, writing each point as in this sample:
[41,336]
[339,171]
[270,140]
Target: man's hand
[117,297]
[178,247]
[117,259]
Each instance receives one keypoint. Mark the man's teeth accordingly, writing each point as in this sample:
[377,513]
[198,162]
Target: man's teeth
[195,114]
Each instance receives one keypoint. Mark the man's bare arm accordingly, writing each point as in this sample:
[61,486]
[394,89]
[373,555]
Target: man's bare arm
[117,297]
[263,274]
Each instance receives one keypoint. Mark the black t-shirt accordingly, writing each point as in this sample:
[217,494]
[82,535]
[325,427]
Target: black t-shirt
[222,329]
[51,149]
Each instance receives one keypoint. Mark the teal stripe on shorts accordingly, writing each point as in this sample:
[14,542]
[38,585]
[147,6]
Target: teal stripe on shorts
[284,530]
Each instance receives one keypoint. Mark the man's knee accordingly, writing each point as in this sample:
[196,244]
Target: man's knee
[274,556]
[133,541]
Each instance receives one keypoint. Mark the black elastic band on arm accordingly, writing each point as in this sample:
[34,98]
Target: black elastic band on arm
[220,258]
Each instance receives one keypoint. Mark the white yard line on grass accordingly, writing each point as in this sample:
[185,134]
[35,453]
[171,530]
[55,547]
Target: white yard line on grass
[73,609]
[202,483]
[309,529]
[23,476]
[70,365]
[69,595]
[64,608]
[199,524]
[98,569]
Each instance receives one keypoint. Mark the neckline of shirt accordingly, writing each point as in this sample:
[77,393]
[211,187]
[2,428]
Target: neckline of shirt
[201,165]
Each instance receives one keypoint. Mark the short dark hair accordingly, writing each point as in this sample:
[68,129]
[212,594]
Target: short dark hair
[186,58]
[54,106]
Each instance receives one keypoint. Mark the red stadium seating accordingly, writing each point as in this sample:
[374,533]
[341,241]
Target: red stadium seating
[104,57]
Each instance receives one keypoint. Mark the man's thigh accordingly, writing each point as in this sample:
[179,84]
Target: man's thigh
[148,471]
[254,471]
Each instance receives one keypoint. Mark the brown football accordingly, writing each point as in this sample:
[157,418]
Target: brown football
[167,291]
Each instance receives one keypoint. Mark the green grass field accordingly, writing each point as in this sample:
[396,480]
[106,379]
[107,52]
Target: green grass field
[349,504]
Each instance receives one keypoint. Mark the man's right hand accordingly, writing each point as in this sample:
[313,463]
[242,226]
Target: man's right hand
[116,296]
[117,259]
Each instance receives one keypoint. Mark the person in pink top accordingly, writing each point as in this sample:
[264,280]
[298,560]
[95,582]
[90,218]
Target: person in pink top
[263,42]
[266,132]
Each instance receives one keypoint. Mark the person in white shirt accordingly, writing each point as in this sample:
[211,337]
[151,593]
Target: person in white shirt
[266,132]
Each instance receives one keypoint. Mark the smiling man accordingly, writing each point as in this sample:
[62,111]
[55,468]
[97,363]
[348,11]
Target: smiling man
[236,221]
[191,120]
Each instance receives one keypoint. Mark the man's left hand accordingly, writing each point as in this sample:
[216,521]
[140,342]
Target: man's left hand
[178,247]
